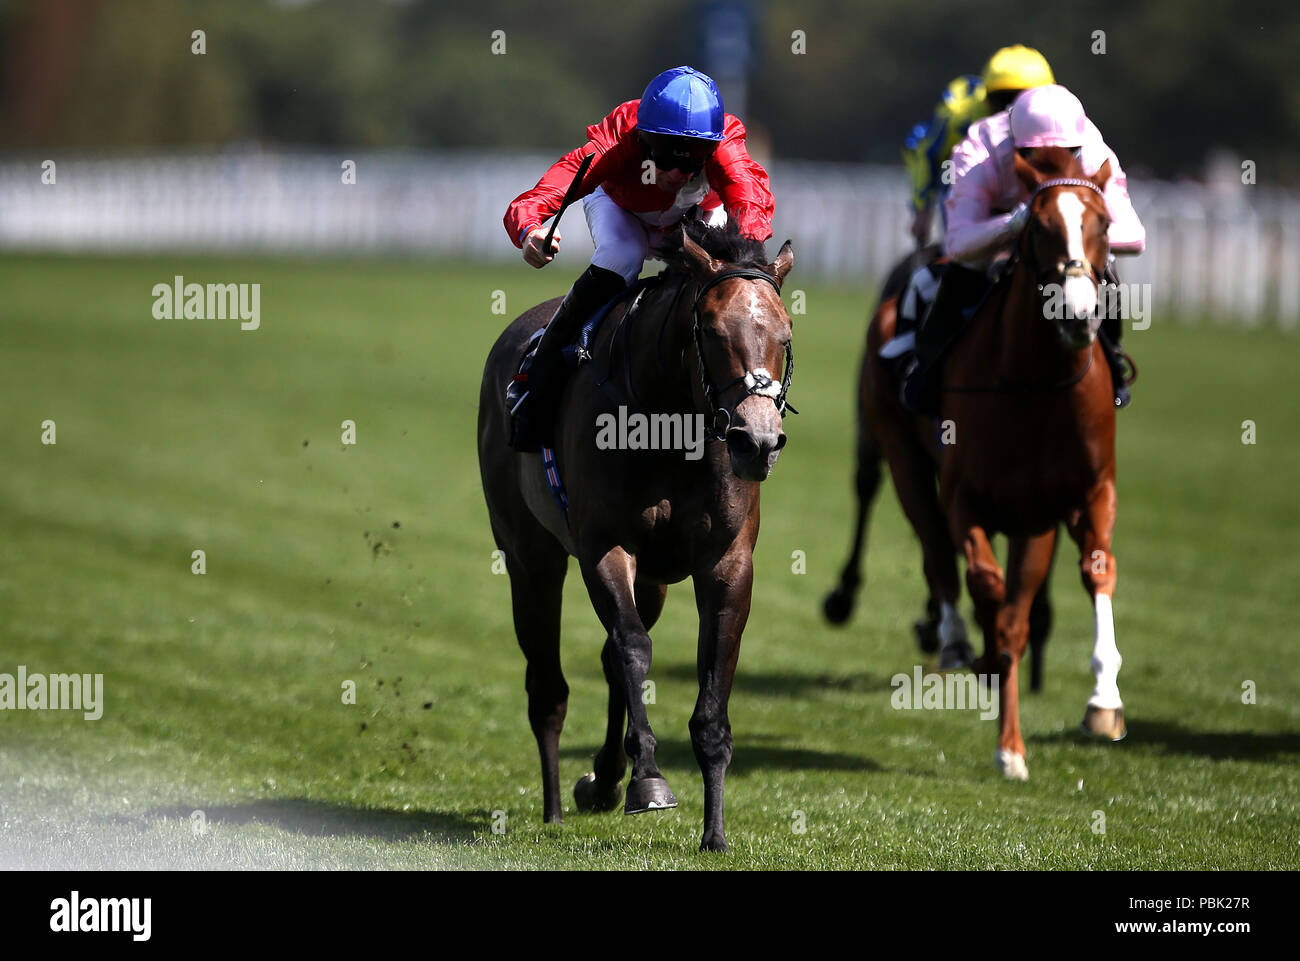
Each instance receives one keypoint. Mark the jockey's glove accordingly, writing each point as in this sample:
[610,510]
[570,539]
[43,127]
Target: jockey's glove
[1016,222]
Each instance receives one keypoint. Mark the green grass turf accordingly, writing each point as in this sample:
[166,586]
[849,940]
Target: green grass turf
[223,691]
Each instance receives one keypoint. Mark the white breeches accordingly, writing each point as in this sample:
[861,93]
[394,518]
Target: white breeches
[624,240]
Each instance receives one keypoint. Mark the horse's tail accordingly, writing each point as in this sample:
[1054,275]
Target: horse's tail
[839,603]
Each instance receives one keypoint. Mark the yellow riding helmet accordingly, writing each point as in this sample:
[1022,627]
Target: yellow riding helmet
[1016,68]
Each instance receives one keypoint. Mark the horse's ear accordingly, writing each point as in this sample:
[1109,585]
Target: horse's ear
[1028,174]
[784,261]
[1102,175]
[698,258]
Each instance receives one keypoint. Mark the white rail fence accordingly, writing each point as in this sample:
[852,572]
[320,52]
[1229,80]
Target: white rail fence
[1230,253]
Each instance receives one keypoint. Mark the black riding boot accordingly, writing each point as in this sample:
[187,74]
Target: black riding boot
[1109,336]
[958,289]
[1112,328]
[533,416]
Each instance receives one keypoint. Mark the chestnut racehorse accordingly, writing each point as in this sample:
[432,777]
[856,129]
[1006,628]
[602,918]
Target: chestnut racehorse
[908,442]
[1030,397]
[1025,441]
[700,344]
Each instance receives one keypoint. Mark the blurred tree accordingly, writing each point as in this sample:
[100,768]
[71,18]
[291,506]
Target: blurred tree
[1177,80]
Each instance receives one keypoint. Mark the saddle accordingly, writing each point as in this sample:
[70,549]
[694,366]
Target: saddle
[955,294]
[575,355]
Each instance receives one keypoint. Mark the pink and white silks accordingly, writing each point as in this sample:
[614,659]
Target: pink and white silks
[986,191]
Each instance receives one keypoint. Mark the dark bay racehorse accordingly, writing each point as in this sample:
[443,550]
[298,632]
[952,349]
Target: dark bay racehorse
[700,344]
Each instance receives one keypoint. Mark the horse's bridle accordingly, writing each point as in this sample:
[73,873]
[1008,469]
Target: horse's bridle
[758,381]
[1072,268]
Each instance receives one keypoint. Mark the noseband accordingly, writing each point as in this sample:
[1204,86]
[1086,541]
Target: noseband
[758,381]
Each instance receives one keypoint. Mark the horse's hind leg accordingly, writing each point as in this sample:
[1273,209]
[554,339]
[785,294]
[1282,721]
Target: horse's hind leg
[602,789]
[536,592]
[914,482]
[1040,626]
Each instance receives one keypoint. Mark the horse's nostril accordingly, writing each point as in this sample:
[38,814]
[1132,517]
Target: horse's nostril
[780,442]
[741,444]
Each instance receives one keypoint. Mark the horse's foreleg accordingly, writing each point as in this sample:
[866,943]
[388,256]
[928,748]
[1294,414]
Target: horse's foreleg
[610,577]
[988,591]
[1028,561]
[722,598]
[602,790]
[1092,532]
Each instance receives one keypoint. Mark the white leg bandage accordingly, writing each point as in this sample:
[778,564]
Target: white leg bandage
[1106,658]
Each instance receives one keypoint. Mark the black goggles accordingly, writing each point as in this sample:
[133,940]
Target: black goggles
[679,153]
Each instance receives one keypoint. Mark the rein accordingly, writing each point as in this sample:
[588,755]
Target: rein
[758,381]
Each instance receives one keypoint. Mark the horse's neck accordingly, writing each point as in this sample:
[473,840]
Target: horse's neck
[650,353]
[1029,347]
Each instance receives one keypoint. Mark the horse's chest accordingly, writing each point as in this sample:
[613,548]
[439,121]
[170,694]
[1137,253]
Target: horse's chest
[672,516]
[1023,467]
[683,524]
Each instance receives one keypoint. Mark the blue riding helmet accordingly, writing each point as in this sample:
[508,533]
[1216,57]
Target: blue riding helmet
[682,102]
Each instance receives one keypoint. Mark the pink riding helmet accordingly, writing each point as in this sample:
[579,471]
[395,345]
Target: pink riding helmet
[1048,116]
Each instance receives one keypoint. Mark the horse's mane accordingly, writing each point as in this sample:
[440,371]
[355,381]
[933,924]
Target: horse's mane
[722,243]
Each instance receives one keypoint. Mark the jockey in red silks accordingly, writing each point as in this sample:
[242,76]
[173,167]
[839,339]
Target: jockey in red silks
[988,207]
[671,154]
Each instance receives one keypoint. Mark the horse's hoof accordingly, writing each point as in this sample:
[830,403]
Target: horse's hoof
[714,842]
[927,635]
[956,656]
[838,606]
[1011,764]
[1104,722]
[648,794]
[589,798]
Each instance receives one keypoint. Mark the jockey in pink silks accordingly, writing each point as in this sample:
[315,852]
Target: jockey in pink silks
[988,207]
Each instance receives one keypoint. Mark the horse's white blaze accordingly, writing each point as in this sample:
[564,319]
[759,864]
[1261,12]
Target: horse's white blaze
[1080,294]
[952,629]
[1106,659]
